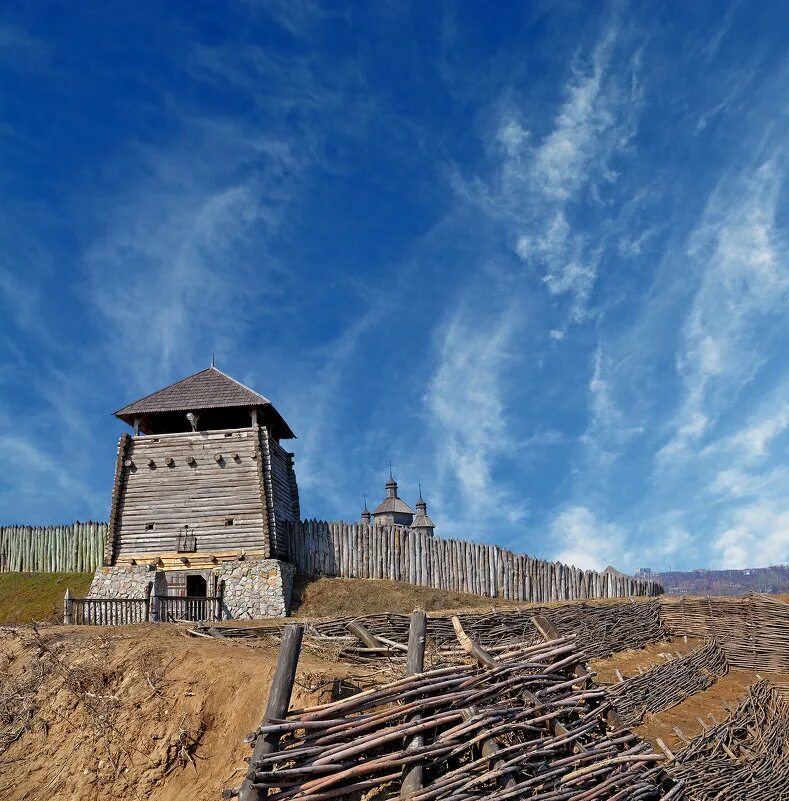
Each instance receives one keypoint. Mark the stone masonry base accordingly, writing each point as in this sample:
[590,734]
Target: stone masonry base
[250,588]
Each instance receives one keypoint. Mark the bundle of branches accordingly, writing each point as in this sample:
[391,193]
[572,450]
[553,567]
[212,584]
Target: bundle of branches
[668,684]
[531,724]
[744,757]
[753,631]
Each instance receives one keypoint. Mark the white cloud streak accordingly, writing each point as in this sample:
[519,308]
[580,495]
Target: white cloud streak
[543,181]
[738,252]
[466,404]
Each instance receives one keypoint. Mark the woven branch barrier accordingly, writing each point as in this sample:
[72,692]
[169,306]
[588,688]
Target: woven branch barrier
[744,757]
[530,724]
[600,629]
[753,631]
[668,684]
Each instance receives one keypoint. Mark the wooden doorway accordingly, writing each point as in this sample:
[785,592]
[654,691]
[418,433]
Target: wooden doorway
[196,587]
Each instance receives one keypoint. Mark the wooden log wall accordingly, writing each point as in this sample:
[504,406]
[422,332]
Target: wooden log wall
[72,548]
[356,550]
[281,481]
[207,480]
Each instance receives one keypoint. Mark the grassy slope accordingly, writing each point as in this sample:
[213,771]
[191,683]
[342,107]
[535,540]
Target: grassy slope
[27,597]
[329,597]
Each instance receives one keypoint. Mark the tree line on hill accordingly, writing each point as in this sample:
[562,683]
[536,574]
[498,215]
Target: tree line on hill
[771,580]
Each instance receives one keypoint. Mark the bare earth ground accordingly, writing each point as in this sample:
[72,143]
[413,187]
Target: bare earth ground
[726,693]
[136,712]
[629,662]
[718,700]
[329,597]
[145,712]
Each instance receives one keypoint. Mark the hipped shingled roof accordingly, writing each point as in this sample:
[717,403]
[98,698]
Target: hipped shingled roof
[393,505]
[208,389]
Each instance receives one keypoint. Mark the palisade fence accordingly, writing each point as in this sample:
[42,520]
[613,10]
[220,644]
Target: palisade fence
[357,550]
[73,548]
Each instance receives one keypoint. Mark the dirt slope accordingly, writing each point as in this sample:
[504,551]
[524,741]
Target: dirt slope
[337,597]
[139,713]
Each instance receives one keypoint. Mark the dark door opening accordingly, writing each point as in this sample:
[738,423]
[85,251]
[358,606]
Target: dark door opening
[196,587]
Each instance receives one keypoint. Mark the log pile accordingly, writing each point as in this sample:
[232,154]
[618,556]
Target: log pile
[669,684]
[753,631]
[744,757]
[528,722]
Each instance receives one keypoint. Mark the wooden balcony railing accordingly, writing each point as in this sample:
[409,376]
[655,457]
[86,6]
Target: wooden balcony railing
[124,611]
[108,611]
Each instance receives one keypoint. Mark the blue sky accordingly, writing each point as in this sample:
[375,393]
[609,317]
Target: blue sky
[533,253]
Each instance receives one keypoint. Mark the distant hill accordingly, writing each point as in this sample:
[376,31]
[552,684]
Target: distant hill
[771,580]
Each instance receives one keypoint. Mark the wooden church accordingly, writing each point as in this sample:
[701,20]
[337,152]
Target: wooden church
[203,479]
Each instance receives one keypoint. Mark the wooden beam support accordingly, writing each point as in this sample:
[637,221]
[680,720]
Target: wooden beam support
[415,663]
[278,703]
[361,633]
[68,608]
[470,647]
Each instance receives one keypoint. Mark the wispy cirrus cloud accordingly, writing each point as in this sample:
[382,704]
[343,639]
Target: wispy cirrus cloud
[190,237]
[539,179]
[738,251]
[546,181]
[466,404]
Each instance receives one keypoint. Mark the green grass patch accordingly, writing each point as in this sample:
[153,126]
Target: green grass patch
[30,597]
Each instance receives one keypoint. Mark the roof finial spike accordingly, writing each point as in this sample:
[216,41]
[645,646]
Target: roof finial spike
[419,483]
[213,361]
[391,477]
[365,503]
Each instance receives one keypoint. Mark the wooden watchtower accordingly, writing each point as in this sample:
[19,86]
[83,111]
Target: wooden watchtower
[202,478]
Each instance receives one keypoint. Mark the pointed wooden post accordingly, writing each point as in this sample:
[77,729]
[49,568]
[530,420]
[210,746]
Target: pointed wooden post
[277,706]
[68,608]
[415,663]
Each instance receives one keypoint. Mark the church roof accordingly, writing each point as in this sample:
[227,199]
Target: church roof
[422,521]
[393,505]
[208,389]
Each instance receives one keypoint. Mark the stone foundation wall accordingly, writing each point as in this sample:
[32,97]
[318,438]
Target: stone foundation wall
[121,581]
[255,588]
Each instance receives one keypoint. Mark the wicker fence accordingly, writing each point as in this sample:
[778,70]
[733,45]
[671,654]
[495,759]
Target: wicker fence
[73,548]
[753,631]
[352,550]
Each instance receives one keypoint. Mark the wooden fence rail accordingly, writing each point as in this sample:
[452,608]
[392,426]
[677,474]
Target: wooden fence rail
[108,611]
[73,548]
[124,611]
[356,550]
[167,608]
